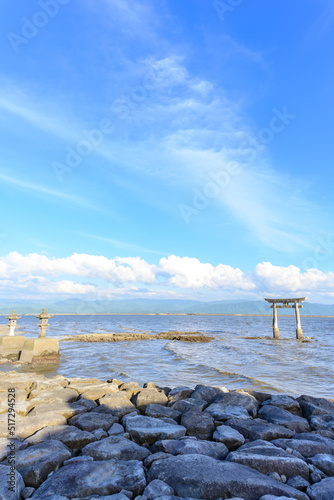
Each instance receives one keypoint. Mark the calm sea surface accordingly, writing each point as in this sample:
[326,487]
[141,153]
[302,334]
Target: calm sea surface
[239,356]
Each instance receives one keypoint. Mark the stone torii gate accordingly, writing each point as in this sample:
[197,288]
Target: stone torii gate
[283,303]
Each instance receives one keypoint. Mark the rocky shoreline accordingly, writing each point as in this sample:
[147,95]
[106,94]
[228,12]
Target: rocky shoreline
[86,438]
[127,337]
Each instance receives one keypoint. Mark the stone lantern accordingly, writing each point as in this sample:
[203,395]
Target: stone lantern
[43,322]
[12,318]
[41,350]
[11,345]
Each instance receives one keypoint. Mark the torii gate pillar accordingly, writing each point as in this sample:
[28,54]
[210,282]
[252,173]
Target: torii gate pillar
[291,303]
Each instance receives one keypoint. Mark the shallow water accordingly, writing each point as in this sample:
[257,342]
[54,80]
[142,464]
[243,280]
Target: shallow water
[231,359]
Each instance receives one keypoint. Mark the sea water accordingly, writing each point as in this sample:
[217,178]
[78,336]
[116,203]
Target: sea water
[242,353]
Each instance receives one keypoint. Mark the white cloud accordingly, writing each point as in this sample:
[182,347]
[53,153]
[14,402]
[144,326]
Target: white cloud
[96,276]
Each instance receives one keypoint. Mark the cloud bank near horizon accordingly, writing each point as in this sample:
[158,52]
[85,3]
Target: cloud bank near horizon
[95,277]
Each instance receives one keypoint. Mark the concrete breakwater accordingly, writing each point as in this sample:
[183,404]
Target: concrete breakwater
[75,438]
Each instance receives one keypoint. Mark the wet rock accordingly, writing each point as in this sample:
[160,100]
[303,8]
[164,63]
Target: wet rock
[70,435]
[259,429]
[298,482]
[8,444]
[149,396]
[229,437]
[222,412]
[192,446]
[198,423]
[67,410]
[324,462]
[268,458]
[93,420]
[279,416]
[17,484]
[323,490]
[322,422]
[316,406]
[36,462]
[105,477]
[118,404]
[156,411]
[148,430]
[185,405]
[25,426]
[240,398]
[306,448]
[200,476]
[157,489]
[115,447]
[285,402]
[116,429]
[208,394]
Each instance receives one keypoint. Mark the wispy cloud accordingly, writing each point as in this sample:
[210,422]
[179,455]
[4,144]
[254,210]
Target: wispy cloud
[32,189]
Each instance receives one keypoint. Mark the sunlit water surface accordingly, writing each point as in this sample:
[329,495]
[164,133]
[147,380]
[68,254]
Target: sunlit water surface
[231,359]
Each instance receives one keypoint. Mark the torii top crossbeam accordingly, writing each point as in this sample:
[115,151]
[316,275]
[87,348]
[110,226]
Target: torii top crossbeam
[296,303]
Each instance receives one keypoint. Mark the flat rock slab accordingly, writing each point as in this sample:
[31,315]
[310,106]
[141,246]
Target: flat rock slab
[17,484]
[116,447]
[267,459]
[240,398]
[192,446]
[149,430]
[323,490]
[118,404]
[67,410]
[93,420]
[279,416]
[229,437]
[259,429]
[204,477]
[82,479]
[70,435]
[221,411]
[156,411]
[25,426]
[324,462]
[58,395]
[285,402]
[36,462]
[99,391]
[306,448]
[198,423]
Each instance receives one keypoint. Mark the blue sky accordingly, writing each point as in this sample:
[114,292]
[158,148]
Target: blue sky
[167,149]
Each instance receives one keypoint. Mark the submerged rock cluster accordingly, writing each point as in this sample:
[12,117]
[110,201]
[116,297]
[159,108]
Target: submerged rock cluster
[86,439]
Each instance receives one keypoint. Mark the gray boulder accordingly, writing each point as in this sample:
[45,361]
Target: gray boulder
[93,420]
[192,446]
[322,490]
[259,429]
[70,435]
[229,437]
[279,416]
[157,411]
[199,424]
[324,462]
[116,447]
[207,393]
[178,394]
[185,405]
[316,406]
[221,411]
[84,479]
[298,482]
[322,422]
[157,489]
[148,430]
[306,448]
[285,402]
[11,487]
[149,396]
[200,476]
[240,398]
[117,404]
[36,462]
[10,446]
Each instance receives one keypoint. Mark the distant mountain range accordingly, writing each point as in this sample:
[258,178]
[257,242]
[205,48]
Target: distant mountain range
[126,306]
